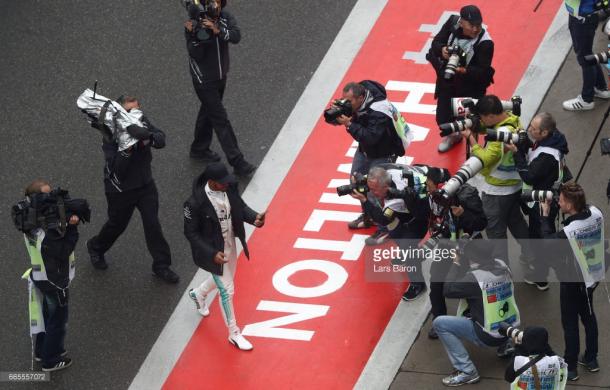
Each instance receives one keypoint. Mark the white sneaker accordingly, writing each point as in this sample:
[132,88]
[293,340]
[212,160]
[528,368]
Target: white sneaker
[577,104]
[449,142]
[240,342]
[602,93]
[202,306]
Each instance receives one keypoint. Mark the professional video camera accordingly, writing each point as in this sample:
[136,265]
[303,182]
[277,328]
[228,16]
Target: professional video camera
[338,107]
[506,136]
[513,333]
[49,211]
[457,58]
[199,11]
[471,167]
[359,184]
[464,108]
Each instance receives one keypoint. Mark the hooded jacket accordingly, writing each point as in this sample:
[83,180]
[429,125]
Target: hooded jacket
[209,59]
[374,130]
[202,227]
[542,172]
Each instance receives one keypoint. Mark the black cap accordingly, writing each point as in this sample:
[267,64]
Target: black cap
[218,172]
[536,340]
[472,14]
[438,175]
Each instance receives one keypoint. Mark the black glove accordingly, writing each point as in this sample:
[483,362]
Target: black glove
[608,191]
[139,133]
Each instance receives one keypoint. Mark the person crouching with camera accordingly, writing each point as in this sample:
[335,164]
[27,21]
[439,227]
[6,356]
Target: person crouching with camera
[485,289]
[535,365]
[405,216]
[578,249]
[48,219]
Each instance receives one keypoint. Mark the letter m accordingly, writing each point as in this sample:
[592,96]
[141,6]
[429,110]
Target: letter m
[271,328]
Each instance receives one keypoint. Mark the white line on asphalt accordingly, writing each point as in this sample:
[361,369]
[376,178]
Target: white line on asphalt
[184,320]
[407,320]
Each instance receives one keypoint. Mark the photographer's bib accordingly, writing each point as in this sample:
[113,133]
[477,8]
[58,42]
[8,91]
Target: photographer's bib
[533,154]
[34,245]
[586,237]
[552,374]
[400,124]
[498,300]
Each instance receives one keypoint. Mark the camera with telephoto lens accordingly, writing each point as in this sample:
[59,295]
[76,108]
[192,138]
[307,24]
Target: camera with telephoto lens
[359,185]
[539,196]
[338,107]
[506,136]
[464,106]
[471,167]
[198,11]
[511,332]
[598,58]
[456,59]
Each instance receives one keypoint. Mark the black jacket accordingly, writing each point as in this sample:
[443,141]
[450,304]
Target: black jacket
[543,171]
[55,251]
[473,219]
[462,284]
[374,130]
[479,72]
[209,59]
[202,228]
[130,169]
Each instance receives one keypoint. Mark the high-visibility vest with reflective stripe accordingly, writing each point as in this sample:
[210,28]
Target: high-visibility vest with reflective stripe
[34,305]
[552,373]
[33,245]
[586,238]
[531,156]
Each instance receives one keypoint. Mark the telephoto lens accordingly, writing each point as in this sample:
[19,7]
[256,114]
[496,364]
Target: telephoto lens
[537,196]
[456,126]
[508,331]
[506,136]
[598,58]
[471,167]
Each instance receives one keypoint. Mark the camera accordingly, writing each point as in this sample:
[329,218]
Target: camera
[511,332]
[465,106]
[471,167]
[338,107]
[49,211]
[460,125]
[198,11]
[456,58]
[359,185]
[506,136]
[539,196]
[598,58]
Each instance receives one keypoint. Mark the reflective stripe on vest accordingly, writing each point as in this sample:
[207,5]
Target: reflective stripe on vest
[533,154]
[33,245]
[552,372]
[34,305]
[499,305]
[586,238]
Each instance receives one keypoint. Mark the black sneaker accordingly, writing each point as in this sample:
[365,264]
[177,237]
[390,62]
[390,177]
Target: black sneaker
[97,259]
[167,275]
[542,286]
[65,362]
[414,291]
[378,238]
[39,359]
[592,365]
[244,168]
[207,156]
[432,334]
[362,222]
[506,350]
[573,375]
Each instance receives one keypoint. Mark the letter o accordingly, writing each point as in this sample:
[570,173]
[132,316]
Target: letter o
[337,276]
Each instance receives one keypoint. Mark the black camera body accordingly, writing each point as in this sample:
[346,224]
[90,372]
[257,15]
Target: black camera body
[49,211]
[338,107]
[360,185]
[198,11]
[457,58]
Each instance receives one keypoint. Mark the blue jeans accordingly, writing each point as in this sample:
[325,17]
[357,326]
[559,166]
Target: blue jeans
[50,344]
[582,38]
[451,330]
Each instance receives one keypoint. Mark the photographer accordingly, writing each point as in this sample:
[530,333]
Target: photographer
[474,72]
[502,186]
[209,65]
[485,289]
[372,126]
[582,24]
[535,364]
[580,265]
[129,185]
[49,218]
[461,216]
[406,217]
[541,166]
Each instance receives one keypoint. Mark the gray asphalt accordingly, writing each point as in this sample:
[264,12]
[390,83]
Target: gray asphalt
[49,53]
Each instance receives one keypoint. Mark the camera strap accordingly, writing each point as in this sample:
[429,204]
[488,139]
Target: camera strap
[61,208]
[529,364]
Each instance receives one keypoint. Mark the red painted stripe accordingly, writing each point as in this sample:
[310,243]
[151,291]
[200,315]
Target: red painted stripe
[359,311]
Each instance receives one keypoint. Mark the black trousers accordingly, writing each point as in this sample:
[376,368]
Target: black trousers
[438,274]
[213,116]
[577,301]
[406,235]
[120,208]
[49,344]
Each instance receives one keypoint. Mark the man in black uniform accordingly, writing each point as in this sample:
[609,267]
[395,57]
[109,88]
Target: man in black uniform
[128,185]
[474,72]
[209,65]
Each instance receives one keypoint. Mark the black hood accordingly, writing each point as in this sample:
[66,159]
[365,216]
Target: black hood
[374,93]
[536,341]
[556,141]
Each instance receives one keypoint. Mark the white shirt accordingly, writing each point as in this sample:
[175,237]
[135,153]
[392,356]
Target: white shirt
[220,202]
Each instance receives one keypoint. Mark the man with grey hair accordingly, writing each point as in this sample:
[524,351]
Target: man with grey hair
[404,216]
[540,161]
